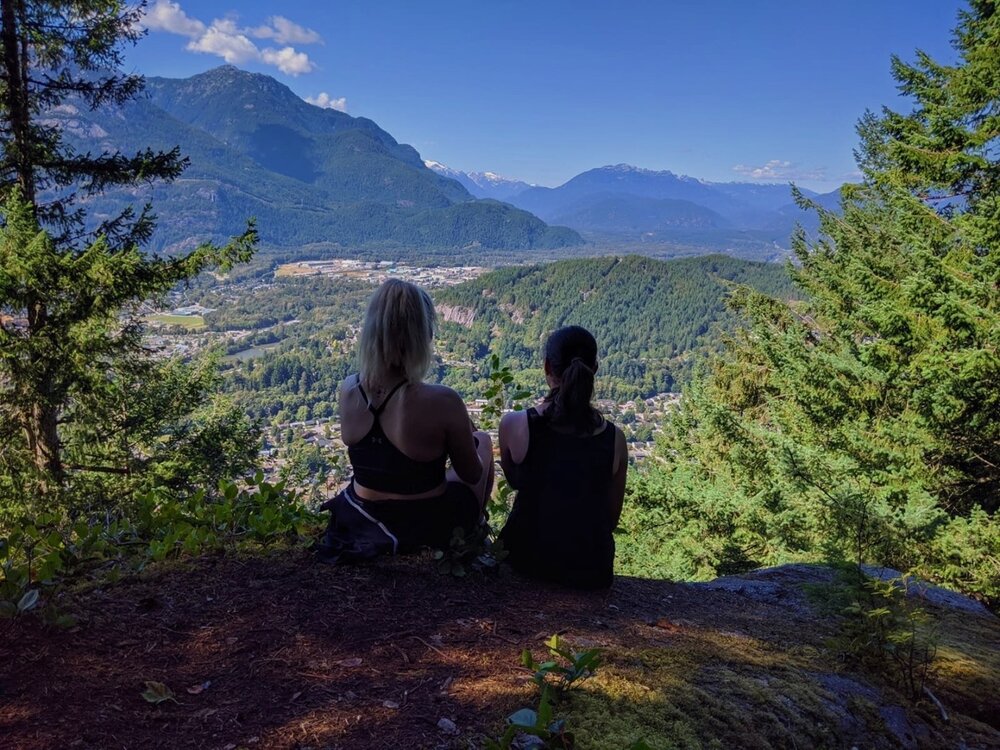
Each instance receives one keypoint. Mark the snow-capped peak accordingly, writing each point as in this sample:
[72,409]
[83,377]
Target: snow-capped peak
[480,184]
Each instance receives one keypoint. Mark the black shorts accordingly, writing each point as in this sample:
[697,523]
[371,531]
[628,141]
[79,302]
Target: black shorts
[428,522]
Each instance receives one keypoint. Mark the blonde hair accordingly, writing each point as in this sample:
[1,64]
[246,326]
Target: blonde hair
[398,333]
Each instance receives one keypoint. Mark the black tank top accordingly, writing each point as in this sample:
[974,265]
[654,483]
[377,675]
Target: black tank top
[380,465]
[560,526]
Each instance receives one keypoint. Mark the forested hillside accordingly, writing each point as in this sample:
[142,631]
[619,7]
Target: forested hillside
[648,316]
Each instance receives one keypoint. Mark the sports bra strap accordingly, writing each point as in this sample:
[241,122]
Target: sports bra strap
[376,411]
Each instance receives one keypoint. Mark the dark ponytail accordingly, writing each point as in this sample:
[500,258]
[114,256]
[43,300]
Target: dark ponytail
[571,354]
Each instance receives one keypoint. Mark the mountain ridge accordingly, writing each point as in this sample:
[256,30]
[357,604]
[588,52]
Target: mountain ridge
[309,175]
[755,212]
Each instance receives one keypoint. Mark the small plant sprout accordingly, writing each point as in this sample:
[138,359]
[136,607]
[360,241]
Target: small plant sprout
[579,665]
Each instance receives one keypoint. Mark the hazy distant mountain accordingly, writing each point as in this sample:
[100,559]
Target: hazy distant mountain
[764,211]
[789,215]
[482,184]
[308,174]
[631,214]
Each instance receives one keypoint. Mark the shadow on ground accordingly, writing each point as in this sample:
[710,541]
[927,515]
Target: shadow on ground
[278,652]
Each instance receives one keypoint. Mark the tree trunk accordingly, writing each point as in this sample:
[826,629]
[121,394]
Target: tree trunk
[41,412]
[42,416]
[43,433]
[16,96]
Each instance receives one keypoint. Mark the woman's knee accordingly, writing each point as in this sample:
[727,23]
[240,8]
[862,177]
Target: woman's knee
[484,443]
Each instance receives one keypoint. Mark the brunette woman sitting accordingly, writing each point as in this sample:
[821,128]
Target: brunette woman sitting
[568,465]
[400,432]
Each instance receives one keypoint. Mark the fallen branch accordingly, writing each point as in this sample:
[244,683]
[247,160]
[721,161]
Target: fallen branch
[929,694]
[432,648]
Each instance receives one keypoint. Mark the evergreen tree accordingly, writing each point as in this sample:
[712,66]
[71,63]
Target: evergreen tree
[865,423]
[70,288]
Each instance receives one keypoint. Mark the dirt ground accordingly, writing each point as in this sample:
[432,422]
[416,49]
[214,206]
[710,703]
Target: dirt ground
[281,652]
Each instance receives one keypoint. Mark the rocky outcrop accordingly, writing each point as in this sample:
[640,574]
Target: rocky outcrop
[464,316]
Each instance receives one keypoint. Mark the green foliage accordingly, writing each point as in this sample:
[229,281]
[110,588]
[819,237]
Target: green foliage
[47,550]
[646,315]
[537,728]
[576,667]
[499,381]
[78,387]
[863,423]
[481,549]
[257,516]
[477,550]
[884,630]
[501,395]
[307,465]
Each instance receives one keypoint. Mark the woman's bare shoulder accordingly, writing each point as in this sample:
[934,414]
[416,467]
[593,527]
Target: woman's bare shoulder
[514,426]
[438,395]
[350,383]
[514,418]
[441,392]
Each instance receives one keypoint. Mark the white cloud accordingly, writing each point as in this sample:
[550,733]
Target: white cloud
[227,26]
[164,15]
[233,48]
[283,31]
[225,38]
[779,169]
[288,60]
[326,101]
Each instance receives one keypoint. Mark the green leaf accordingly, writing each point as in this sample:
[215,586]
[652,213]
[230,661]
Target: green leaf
[526,717]
[8,610]
[28,601]
[545,708]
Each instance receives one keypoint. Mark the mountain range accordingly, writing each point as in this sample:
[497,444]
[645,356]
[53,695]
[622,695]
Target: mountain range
[309,175]
[322,179]
[624,202]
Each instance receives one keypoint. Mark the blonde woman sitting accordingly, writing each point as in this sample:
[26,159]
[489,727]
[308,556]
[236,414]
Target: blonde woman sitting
[400,434]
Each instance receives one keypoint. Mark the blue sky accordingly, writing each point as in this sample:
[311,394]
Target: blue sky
[760,90]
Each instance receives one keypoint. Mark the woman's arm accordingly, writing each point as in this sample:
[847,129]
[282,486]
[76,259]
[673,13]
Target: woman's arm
[513,444]
[461,443]
[620,472]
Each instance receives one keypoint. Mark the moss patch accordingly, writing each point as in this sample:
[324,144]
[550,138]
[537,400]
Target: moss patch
[706,691]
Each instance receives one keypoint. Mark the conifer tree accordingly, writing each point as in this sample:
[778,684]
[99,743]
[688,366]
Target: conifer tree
[70,286]
[865,422]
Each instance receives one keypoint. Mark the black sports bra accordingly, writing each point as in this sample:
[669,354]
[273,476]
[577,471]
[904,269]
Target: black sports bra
[379,465]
